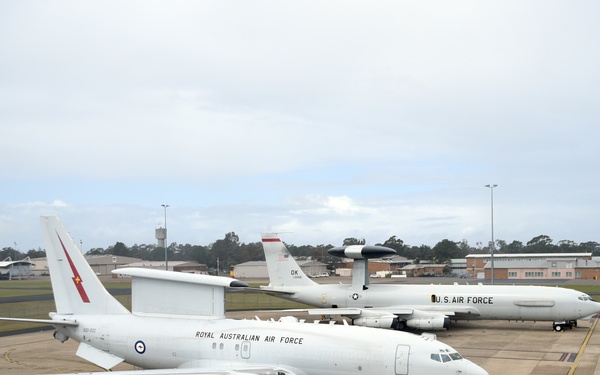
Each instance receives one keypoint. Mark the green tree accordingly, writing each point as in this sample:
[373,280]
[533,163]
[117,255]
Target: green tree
[464,248]
[353,241]
[566,246]
[225,250]
[396,244]
[515,247]
[590,247]
[10,252]
[540,244]
[119,249]
[39,253]
[422,252]
[96,251]
[445,250]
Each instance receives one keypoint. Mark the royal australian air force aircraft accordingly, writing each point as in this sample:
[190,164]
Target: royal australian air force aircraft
[178,326]
[425,307]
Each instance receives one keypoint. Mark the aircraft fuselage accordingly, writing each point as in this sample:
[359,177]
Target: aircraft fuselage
[477,301]
[171,343]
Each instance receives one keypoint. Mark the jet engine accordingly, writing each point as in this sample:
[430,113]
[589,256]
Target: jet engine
[375,321]
[433,323]
[60,336]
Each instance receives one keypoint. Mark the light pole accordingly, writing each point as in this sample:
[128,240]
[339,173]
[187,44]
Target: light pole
[492,245]
[166,246]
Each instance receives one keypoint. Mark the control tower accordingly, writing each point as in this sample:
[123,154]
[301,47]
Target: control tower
[161,235]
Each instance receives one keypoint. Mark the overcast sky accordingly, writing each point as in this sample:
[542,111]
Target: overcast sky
[324,120]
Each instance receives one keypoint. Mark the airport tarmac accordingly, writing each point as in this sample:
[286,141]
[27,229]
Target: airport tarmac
[518,348]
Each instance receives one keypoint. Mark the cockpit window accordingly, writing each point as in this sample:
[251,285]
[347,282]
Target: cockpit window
[446,357]
[585,297]
[455,356]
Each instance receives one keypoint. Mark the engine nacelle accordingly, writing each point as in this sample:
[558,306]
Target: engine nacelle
[60,336]
[374,321]
[434,323]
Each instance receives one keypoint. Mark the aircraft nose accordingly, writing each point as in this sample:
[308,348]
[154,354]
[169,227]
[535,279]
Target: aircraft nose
[473,369]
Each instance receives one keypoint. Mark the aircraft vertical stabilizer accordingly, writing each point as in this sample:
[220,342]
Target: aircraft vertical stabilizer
[76,288]
[283,269]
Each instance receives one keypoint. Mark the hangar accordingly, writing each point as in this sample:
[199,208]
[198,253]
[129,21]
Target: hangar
[535,266]
[258,269]
[11,269]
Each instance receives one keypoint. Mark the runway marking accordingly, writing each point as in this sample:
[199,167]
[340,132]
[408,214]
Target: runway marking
[569,357]
[8,358]
[583,346]
[562,356]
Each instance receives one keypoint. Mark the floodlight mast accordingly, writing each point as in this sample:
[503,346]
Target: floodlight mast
[166,259]
[492,244]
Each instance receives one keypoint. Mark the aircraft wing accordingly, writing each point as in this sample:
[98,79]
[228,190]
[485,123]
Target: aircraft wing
[252,370]
[401,311]
[398,317]
[446,310]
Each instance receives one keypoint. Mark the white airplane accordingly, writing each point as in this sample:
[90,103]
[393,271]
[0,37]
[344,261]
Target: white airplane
[177,326]
[426,307]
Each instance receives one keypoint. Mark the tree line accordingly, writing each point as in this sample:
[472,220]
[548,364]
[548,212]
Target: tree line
[229,251]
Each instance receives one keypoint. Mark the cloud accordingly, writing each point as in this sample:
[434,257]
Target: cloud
[330,121]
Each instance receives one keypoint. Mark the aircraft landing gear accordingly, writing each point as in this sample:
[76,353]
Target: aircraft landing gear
[561,326]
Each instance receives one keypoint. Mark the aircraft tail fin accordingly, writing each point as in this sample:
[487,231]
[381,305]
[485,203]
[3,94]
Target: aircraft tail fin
[283,269]
[77,289]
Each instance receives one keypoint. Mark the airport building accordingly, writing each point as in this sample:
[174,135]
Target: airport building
[258,269]
[12,269]
[534,266]
[105,264]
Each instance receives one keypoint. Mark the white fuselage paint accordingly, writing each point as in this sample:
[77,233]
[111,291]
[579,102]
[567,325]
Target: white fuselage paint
[489,301]
[156,342]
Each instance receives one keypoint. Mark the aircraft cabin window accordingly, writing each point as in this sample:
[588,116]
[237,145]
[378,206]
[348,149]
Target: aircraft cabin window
[436,357]
[433,298]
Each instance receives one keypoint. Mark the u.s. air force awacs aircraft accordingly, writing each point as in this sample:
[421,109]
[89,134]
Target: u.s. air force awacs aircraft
[426,307]
[177,326]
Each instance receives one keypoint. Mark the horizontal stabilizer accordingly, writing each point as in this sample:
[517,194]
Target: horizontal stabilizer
[269,290]
[97,356]
[43,321]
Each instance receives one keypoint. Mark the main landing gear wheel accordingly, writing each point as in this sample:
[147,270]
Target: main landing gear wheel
[560,327]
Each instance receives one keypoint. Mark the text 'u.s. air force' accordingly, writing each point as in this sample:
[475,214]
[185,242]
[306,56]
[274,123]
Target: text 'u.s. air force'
[476,300]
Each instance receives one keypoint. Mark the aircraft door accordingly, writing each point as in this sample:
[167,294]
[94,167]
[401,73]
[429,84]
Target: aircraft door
[402,355]
[245,350]
[104,338]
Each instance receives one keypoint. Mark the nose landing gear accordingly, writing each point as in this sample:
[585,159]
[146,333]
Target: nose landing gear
[561,326]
